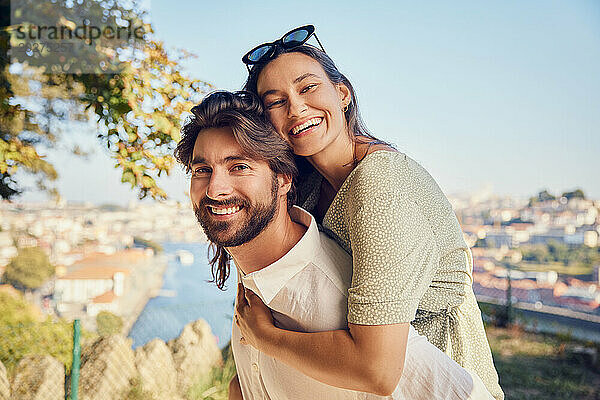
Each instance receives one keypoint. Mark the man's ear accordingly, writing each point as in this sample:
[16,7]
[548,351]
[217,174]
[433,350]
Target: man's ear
[285,184]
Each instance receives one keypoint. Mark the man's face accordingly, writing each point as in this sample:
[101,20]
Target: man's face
[234,197]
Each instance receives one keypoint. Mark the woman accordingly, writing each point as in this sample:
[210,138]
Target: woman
[410,261]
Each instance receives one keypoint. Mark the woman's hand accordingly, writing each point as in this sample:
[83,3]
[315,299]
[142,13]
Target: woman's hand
[235,391]
[253,318]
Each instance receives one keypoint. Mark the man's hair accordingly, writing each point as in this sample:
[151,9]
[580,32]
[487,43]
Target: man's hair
[244,114]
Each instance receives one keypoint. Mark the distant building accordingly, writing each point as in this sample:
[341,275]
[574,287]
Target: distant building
[90,285]
[498,238]
[590,238]
[546,238]
[26,241]
[549,277]
[108,301]
[7,250]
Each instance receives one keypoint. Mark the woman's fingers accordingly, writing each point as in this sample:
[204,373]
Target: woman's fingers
[240,303]
[241,298]
[252,299]
[248,295]
[240,292]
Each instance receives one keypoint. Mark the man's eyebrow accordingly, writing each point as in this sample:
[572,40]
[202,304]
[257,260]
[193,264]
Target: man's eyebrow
[238,158]
[298,79]
[197,160]
[234,157]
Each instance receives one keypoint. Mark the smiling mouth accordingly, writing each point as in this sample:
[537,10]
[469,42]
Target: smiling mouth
[305,126]
[224,210]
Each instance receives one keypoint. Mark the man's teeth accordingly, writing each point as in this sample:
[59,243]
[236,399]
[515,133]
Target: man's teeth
[307,124]
[225,211]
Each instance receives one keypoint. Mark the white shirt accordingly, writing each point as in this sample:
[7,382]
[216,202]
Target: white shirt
[307,290]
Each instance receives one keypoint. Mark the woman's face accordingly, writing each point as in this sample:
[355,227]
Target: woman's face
[303,104]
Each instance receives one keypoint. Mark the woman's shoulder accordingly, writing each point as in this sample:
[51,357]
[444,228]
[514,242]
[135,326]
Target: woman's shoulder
[389,170]
[384,157]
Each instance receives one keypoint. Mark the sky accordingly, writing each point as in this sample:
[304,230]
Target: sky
[500,95]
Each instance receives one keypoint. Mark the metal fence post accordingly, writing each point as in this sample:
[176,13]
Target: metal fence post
[509,305]
[76,360]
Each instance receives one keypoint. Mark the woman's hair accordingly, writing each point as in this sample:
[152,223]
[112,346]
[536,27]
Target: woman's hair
[357,129]
[244,114]
[356,126]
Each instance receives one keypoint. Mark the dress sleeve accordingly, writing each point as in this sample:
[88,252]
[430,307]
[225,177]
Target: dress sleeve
[393,247]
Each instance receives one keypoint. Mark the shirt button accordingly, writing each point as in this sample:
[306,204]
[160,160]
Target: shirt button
[255,367]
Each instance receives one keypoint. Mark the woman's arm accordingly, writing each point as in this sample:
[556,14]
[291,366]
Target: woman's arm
[235,391]
[364,358]
[394,256]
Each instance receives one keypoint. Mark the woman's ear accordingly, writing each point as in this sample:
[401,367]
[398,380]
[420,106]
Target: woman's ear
[344,93]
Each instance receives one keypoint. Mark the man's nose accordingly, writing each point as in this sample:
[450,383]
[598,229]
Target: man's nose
[219,185]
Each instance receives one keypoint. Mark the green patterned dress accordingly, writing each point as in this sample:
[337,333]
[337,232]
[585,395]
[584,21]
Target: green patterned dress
[410,260]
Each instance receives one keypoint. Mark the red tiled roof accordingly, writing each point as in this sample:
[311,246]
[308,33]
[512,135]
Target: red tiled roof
[123,256]
[106,298]
[94,272]
[578,283]
[521,226]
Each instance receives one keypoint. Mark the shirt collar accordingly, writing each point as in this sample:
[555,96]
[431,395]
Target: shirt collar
[268,281]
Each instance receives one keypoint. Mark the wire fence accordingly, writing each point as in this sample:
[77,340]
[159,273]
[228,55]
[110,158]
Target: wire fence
[166,321]
[58,360]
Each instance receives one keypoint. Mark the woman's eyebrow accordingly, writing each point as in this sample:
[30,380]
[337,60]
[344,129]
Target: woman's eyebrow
[297,80]
[268,92]
[304,76]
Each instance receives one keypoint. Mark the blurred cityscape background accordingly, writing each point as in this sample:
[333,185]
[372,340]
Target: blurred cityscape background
[499,101]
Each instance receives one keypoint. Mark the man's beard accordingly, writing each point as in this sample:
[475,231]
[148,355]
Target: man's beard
[258,217]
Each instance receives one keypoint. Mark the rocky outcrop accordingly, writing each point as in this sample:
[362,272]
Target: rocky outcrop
[39,378]
[154,363]
[107,369]
[195,352]
[4,385]
[110,369]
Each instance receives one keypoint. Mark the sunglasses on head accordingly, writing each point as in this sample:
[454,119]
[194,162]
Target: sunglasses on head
[294,38]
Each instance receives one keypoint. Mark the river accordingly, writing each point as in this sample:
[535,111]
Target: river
[194,298]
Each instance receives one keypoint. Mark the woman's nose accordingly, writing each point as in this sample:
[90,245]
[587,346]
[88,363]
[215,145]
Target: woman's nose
[296,106]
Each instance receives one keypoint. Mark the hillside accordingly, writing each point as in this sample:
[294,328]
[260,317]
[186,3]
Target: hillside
[541,367]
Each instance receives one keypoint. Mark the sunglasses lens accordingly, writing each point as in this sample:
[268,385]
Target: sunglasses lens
[257,54]
[295,38]
[292,39]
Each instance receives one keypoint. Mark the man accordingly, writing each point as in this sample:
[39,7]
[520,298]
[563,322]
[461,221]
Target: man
[242,189]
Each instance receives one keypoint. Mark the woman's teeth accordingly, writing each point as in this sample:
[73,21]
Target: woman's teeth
[311,122]
[225,211]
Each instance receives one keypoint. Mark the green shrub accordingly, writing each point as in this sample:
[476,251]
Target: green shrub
[108,323]
[137,392]
[138,241]
[29,269]
[23,331]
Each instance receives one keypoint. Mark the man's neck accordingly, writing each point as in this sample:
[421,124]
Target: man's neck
[270,245]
